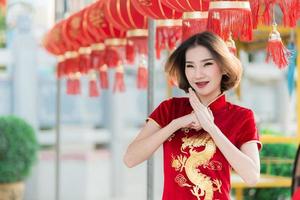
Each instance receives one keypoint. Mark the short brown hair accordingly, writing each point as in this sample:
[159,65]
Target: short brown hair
[229,64]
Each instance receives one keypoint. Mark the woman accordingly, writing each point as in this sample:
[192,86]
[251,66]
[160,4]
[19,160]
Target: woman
[203,135]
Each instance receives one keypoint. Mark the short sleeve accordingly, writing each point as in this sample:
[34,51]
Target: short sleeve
[162,114]
[248,131]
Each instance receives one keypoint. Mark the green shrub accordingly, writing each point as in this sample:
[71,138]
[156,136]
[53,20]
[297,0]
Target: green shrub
[18,149]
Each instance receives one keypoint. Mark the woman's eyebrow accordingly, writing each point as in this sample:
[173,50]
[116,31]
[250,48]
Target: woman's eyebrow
[204,60]
[207,59]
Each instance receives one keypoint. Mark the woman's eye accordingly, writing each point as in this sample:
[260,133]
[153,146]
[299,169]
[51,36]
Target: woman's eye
[188,66]
[208,64]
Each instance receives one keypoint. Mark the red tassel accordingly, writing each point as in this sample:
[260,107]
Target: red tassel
[104,84]
[112,56]
[142,78]
[130,53]
[231,45]
[267,14]
[69,86]
[142,73]
[192,26]
[234,17]
[119,85]
[167,35]
[290,10]
[276,50]
[93,90]
[97,59]
[84,63]
[255,6]
[77,85]
[60,67]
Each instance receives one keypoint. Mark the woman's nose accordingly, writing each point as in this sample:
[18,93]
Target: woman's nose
[198,72]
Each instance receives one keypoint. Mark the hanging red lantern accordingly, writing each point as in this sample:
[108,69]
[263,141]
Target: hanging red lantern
[123,15]
[194,19]
[71,59]
[168,26]
[114,39]
[79,38]
[67,57]
[50,46]
[90,30]
[226,17]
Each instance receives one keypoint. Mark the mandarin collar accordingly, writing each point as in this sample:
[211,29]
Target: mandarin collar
[218,103]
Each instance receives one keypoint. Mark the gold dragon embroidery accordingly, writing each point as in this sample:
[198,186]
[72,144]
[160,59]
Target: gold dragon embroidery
[203,185]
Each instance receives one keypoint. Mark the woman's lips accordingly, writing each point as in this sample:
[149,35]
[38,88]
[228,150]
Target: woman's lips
[202,84]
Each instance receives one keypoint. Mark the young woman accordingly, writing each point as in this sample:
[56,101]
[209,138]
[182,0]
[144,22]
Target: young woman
[203,135]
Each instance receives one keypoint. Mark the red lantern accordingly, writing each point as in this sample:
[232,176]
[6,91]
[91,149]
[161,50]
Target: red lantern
[123,15]
[90,30]
[101,29]
[71,60]
[194,16]
[168,27]
[75,34]
[50,46]
[226,17]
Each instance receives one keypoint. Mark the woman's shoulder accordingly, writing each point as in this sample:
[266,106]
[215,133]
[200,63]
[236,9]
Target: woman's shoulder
[239,109]
[176,100]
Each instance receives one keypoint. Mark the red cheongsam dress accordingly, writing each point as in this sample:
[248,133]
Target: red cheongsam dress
[194,168]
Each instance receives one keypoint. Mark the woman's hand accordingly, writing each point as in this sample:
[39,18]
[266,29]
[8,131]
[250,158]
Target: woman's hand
[203,114]
[188,121]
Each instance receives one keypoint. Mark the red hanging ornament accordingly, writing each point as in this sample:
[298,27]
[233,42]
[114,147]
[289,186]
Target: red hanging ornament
[168,26]
[267,13]
[119,85]
[194,22]
[93,89]
[276,50]
[168,34]
[114,51]
[124,15]
[54,44]
[97,56]
[73,84]
[194,16]
[255,6]
[231,45]
[60,66]
[142,74]
[103,75]
[225,17]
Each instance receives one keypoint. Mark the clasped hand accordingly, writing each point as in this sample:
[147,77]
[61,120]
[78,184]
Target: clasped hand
[203,114]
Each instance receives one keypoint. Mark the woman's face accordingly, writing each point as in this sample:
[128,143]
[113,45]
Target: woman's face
[202,72]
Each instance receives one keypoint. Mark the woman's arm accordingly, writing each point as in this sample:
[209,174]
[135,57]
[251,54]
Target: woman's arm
[152,136]
[244,161]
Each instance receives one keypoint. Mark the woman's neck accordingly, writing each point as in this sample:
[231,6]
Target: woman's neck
[206,100]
